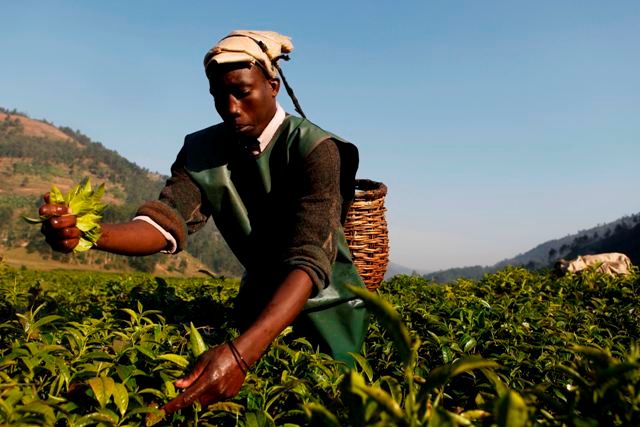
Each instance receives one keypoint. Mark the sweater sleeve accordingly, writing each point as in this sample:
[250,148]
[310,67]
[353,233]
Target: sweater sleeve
[180,209]
[316,221]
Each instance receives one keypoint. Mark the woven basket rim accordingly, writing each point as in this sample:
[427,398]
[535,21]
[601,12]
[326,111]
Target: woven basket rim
[367,189]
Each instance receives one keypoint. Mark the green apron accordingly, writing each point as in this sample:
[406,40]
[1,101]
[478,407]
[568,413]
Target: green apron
[335,316]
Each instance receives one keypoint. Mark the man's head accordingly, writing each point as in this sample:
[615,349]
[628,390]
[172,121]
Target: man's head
[244,97]
[243,78]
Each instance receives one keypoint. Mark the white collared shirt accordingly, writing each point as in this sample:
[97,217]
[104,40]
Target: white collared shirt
[264,139]
[267,134]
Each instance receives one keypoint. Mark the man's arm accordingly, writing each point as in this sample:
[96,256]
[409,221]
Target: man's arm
[131,238]
[179,211]
[135,238]
[281,310]
[219,372]
[312,246]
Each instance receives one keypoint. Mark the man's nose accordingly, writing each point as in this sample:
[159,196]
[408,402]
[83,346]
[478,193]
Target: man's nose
[232,105]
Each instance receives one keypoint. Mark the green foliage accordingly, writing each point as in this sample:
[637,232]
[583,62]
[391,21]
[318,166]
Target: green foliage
[514,349]
[84,203]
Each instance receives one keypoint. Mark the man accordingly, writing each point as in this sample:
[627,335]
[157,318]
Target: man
[278,188]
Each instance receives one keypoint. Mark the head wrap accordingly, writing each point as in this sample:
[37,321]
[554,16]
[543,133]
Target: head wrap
[256,47]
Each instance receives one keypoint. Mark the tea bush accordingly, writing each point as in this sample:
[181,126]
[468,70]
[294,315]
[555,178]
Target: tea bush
[513,349]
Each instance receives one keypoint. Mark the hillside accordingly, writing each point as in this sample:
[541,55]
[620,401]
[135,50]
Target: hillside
[621,235]
[394,269]
[34,154]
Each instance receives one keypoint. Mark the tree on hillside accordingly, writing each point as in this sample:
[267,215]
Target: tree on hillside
[43,159]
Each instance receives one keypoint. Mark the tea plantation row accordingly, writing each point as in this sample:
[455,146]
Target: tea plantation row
[516,348]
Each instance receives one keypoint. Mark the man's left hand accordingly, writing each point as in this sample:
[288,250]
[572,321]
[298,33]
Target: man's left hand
[217,376]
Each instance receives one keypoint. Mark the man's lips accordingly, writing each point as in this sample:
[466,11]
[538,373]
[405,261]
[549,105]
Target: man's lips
[239,127]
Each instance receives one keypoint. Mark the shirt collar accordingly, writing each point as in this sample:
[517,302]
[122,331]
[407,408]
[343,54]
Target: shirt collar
[267,134]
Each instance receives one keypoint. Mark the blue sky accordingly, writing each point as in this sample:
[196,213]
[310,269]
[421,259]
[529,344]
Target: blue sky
[496,125]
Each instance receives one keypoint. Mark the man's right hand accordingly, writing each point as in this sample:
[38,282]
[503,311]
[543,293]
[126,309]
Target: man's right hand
[60,229]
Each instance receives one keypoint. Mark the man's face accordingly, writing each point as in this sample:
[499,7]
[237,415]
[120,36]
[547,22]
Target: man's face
[244,97]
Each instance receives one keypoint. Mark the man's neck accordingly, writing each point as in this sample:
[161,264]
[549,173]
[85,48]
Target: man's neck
[270,130]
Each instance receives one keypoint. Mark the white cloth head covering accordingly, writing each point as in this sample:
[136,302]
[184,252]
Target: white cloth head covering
[261,47]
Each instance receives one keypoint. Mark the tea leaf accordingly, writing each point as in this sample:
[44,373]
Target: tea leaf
[99,391]
[231,407]
[38,407]
[471,363]
[56,197]
[46,320]
[501,389]
[442,374]
[88,221]
[85,205]
[38,220]
[196,343]
[447,354]
[321,415]
[380,396]
[83,246]
[259,419]
[109,386]
[154,418]
[364,365]
[105,416]
[511,410]
[390,319]
[475,414]
[175,358]
[468,343]
[121,398]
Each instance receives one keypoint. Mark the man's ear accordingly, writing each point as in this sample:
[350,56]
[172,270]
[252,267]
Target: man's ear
[275,86]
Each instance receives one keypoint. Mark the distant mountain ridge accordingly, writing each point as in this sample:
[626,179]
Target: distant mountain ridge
[393,269]
[34,154]
[621,235]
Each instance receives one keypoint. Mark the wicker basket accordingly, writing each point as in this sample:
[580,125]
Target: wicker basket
[366,232]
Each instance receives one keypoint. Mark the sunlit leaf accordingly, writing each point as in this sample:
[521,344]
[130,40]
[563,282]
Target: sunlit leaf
[38,407]
[475,414]
[55,196]
[511,410]
[88,222]
[174,358]
[38,220]
[121,398]
[442,374]
[468,343]
[85,205]
[390,319]
[500,387]
[105,415]
[154,417]
[231,407]
[258,419]
[99,391]
[468,364]
[46,320]
[447,354]
[364,365]
[320,415]
[196,343]
[381,397]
